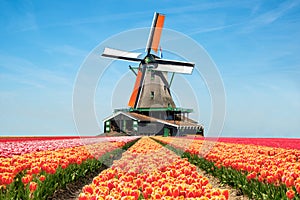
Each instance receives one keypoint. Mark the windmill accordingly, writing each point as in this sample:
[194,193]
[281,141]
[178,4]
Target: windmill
[151,94]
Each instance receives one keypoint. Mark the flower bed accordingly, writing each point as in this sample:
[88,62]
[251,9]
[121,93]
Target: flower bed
[13,146]
[38,174]
[149,171]
[287,143]
[259,171]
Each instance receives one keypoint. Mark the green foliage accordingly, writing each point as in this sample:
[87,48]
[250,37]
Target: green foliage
[129,144]
[108,158]
[177,151]
[64,176]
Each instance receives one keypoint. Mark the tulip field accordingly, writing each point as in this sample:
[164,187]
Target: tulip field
[261,172]
[149,171]
[33,169]
[150,167]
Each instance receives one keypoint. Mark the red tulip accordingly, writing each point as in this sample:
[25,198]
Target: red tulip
[135,193]
[147,192]
[83,196]
[26,179]
[42,178]
[225,193]
[175,192]
[88,189]
[32,186]
[297,186]
[290,194]
[6,180]
[289,182]
[64,165]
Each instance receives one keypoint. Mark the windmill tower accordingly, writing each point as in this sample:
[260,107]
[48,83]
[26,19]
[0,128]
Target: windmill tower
[151,100]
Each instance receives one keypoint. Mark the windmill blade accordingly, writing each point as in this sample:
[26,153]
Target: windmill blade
[123,55]
[134,94]
[155,32]
[174,66]
[138,86]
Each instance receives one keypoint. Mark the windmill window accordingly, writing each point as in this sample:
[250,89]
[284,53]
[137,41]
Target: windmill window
[152,75]
[152,95]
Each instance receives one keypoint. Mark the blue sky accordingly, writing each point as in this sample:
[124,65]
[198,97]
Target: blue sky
[255,46]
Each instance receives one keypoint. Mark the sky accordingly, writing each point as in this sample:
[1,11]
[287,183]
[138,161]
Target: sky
[254,45]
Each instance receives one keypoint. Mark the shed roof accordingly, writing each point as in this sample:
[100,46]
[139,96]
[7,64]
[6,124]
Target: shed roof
[118,113]
[187,123]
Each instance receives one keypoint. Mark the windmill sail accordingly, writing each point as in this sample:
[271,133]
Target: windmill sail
[123,55]
[155,32]
[174,66]
[133,98]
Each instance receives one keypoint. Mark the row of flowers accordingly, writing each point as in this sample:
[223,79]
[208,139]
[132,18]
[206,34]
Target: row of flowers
[149,171]
[287,143]
[273,168]
[10,147]
[37,174]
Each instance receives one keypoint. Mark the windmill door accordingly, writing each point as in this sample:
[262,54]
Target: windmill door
[166,132]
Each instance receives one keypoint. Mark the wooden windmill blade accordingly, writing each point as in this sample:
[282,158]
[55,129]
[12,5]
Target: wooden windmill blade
[174,66]
[155,32]
[119,54]
[134,95]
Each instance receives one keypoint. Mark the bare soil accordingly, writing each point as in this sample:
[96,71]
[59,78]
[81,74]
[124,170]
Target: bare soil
[72,190]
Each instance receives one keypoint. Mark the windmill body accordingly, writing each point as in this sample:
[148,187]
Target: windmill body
[155,91]
[152,110]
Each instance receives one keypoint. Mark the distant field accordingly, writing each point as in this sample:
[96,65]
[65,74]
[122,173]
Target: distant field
[290,143]
[30,138]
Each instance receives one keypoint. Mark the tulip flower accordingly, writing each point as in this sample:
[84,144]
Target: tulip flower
[42,178]
[290,194]
[32,186]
